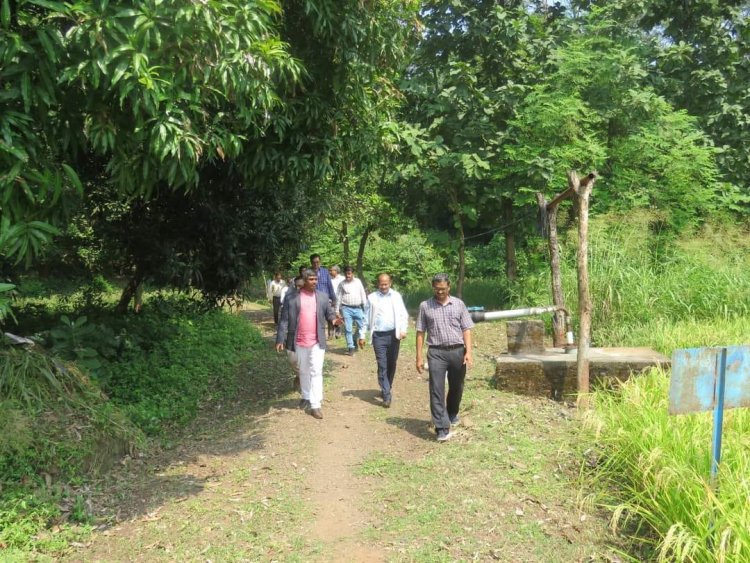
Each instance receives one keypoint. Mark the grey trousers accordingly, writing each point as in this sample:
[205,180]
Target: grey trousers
[440,362]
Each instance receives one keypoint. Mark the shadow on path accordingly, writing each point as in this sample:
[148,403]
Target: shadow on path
[371,396]
[226,426]
[417,427]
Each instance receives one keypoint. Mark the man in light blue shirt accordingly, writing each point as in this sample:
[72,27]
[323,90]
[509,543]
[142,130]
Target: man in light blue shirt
[388,321]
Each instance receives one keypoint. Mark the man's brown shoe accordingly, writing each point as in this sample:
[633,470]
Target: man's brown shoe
[316,413]
[361,343]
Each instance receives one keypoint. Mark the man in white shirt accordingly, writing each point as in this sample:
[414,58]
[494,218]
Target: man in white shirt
[336,279]
[388,321]
[350,304]
[273,293]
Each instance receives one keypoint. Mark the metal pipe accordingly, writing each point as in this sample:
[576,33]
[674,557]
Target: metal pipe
[481,316]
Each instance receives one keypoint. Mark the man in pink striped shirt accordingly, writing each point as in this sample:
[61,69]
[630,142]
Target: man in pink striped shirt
[302,328]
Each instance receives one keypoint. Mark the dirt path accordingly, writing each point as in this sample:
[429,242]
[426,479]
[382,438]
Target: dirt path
[257,479]
[179,504]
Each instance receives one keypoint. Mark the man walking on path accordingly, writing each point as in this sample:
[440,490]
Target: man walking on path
[302,328]
[324,278]
[448,325]
[388,321]
[273,292]
[350,303]
[336,279]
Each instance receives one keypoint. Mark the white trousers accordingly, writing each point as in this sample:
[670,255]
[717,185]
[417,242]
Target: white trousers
[310,362]
[291,356]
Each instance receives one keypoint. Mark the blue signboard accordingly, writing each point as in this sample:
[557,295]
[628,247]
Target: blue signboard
[710,379]
[695,374]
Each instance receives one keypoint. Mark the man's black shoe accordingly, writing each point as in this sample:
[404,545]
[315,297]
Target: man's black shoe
[387,403]
[304,404]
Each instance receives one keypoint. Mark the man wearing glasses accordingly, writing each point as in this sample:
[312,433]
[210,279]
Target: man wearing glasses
[448,325]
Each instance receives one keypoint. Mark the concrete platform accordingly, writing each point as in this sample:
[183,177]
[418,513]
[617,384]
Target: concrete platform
[552,373]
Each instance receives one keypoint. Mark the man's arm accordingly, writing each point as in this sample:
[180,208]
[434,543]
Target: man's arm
[468,359]
[330,314]
[329,284]
[362,294]
[420,344]
[402,316]
[283,328]
[339,295]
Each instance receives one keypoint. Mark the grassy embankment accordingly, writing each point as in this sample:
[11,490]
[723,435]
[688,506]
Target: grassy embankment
[102,386]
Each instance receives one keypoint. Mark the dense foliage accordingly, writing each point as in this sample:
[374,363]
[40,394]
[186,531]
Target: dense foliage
[193,145]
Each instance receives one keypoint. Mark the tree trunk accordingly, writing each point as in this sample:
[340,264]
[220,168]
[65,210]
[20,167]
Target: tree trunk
[511,264]
[583,191]
[558,299]
[345,240]
[129,292]
[461,259]
[361,253]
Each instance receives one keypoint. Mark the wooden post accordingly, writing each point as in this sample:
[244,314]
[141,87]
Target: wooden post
[558,317]
[583,189]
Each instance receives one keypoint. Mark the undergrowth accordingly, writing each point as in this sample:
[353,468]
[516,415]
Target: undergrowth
[90,394]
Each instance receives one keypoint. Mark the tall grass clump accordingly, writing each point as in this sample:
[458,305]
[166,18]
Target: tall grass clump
[645,282]
[655,469]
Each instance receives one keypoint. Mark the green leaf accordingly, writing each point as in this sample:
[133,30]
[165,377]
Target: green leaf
[5,14]
[73,177]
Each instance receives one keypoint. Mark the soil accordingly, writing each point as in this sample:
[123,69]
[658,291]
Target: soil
[198,489]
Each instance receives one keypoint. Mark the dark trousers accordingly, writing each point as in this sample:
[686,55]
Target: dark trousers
[440,362]
[386,347]
[276,307]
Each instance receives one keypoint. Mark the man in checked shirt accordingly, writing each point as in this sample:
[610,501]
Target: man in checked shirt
[448,325]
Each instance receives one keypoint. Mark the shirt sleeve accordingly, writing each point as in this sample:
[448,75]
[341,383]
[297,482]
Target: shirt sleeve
[465,321]
[420,325]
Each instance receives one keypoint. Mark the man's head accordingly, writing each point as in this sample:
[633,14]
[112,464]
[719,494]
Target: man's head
[301,270]
[310,278]
[348,273]
[277,276]
[299,282]
[441,287]
[334,271]
[315,261]
[384,283]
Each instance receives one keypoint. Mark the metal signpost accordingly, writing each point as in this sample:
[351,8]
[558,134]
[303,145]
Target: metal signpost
[710,378]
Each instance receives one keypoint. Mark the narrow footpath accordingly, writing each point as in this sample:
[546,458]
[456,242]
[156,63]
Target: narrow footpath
[257,479]
[183,503]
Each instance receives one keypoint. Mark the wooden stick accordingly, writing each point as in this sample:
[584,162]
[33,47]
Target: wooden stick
[583,189]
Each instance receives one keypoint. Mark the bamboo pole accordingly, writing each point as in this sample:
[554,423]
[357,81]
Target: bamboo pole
[583,189]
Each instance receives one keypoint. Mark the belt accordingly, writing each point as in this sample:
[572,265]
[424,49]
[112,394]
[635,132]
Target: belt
[351,306]
[446,347]
[384,331]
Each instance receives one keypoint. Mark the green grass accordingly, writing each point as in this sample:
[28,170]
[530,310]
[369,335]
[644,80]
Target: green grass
[656,468]
[157,369]
[503,489]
